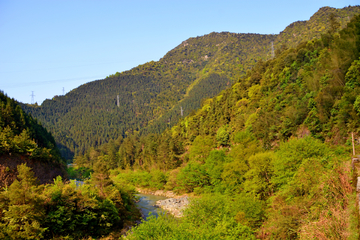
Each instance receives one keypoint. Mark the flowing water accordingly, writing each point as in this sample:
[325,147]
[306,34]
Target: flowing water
[146,204]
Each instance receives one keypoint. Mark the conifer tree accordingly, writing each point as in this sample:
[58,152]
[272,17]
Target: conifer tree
[100,177]
[22,215]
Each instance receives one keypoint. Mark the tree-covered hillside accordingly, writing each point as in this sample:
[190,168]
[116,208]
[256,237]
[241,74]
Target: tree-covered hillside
[319,23]
[23,139]
[308,90]
[152,95]
[269,157]
[57,208]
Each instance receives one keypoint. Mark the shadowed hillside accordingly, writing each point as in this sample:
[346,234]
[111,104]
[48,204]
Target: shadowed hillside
[24,140]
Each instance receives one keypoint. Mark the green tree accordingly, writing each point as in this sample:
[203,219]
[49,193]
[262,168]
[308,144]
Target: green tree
[192,176]
[201,148]
[258,178]
[223,136]
[334,24]
[101,177]
[291,155]
[214,166]
[23,214]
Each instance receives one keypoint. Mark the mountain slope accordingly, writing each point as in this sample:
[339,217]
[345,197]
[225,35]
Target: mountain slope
[24,140]
[317,25]
[308,90]
[152,95]
[269,157]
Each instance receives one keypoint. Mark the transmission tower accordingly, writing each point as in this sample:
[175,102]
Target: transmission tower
[32,97]
[272,50]
[63,91]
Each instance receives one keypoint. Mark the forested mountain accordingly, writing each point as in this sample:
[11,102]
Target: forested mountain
[152,95]
[270,156]
[55,209]
[24,140]
[308,90]
[317,25]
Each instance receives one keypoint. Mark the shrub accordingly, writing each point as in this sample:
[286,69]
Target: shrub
[191,176]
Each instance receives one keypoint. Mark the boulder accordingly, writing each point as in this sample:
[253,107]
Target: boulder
[174,205]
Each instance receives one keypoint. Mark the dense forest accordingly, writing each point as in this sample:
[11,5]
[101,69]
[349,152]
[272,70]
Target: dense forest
[260,140]
[307,90]
[24,140]
[20,133]
[154,96]
[65,210]
[59,209]
[270,156]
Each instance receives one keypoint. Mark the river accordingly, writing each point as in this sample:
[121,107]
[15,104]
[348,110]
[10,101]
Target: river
[146,204]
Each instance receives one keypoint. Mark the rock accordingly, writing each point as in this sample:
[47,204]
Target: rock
[168,194]
[174,205]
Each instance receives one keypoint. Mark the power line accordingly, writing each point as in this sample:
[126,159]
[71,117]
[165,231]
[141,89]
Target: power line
[52,68]
[17,85]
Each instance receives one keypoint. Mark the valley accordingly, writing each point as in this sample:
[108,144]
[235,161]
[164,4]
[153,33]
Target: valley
[257,130]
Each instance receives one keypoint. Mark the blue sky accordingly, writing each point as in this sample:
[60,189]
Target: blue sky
[57,45]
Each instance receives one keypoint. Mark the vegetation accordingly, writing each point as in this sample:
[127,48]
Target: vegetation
[310,90]
[24,140]
[310,198]
[268,157]
[21,134]
[315,27]
[151,95]
[58,210]
[256,153]
[64,210]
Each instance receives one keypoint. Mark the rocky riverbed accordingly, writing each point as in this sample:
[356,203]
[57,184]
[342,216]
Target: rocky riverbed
[174,205]
[146,203]
[168,194]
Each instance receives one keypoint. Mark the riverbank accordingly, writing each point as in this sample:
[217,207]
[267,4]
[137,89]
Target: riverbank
[168,194]
[174,204]
[147,204]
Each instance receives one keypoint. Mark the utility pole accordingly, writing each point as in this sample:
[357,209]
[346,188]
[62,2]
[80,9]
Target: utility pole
[182,111]
[32,97]
[272,50]
[353,143]
[118,101]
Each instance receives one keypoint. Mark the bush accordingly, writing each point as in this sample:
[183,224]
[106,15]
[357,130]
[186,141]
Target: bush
[158,179]
[59,210]
[291,155]
[209,217]
[223,136]
[214,166]
[191,176]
